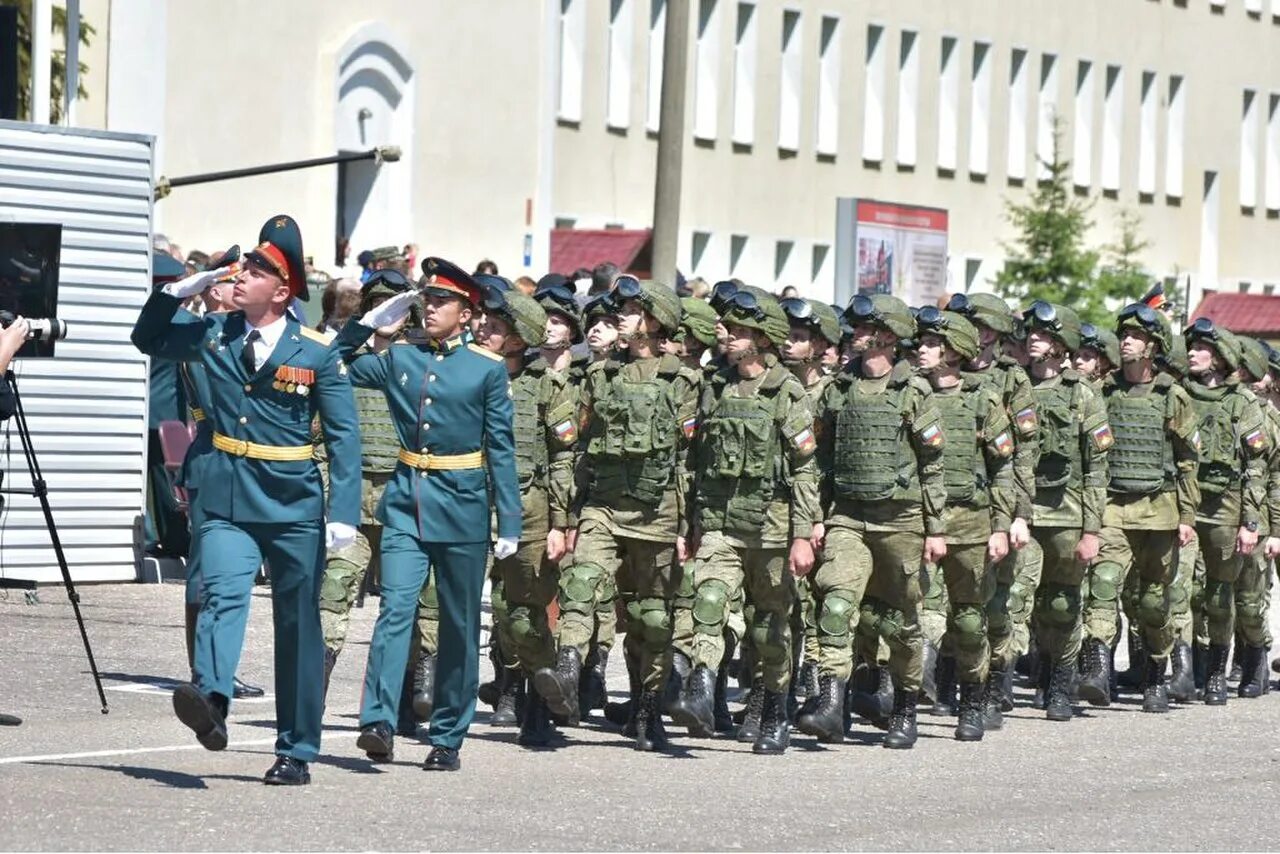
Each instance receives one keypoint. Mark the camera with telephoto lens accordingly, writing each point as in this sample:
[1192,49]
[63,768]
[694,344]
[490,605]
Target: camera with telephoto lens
[40,328]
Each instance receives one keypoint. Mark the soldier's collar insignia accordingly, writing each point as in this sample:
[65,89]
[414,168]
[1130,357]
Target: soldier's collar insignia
[448,345]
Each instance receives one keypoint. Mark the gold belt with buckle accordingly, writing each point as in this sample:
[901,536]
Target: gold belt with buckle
[442,462]
[254,451]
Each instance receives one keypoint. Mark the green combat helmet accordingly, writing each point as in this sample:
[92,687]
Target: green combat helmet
[699,319]
[817,316]
[1141,316]
[1253,357]
[526,316]
[882,310]
[1057,320]
[600,305]
[382,283]
[761,313]
[1176,361]
[658,300]
[1102,341]
[985,309]
[1224,342]
[952,327]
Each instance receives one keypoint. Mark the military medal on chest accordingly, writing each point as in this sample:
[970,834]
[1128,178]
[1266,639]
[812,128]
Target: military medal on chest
[293,380]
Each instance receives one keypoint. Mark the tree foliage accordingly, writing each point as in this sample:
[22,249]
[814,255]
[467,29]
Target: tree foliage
[1122,279]
[58,64]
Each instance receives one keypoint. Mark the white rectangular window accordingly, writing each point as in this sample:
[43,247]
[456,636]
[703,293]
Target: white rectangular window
[1249,128]
[573,39]
[621,26]
[1017,160]
[980,109]
[1112,127]
[706,82]
[657,28]
[908,97]
[1175,125]
[1082,150]
[784,258]
[745,51]
[1147,107]
[948,104]
[1046,112]
[1271,196]
[873,99]
[1253,7]
[828,136]
[1217,5]
[789,86]
[1209,232]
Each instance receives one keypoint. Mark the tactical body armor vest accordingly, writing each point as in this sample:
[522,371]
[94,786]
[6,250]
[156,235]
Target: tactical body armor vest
[528,427]
[1061,455]
[1218,411]
[874,459]
[743,461]
[963,466]
[1141,460]
[633,435]
[379,444]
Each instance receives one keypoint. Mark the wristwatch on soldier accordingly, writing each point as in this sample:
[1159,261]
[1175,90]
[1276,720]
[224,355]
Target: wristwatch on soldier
[1251,527]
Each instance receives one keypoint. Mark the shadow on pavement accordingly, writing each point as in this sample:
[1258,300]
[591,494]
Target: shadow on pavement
[172,779]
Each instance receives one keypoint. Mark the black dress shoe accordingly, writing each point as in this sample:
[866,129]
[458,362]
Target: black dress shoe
[442,759]
[287,772]
[378,741]
[204,714]
[241,690]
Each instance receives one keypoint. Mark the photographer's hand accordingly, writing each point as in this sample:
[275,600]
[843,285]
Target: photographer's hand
[11,340]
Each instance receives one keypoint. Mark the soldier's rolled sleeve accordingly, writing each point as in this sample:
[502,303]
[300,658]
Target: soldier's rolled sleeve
[340,424]
[796,425]
[1253,504]
[160,334]
[923,415]
[500,452]
[560,473]
[1182,429]
[998,444]
[1093,497]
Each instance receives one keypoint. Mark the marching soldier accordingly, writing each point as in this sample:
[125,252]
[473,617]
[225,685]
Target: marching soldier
[450,401]
[1098,355]
[1071,483]
[1151,508]
[698,321]
[261,494]
[636,416]
[883,435]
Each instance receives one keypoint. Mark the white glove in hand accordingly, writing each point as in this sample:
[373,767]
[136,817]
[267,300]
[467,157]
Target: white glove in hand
[392,311]
[504,548]
[195,283]
[338,535]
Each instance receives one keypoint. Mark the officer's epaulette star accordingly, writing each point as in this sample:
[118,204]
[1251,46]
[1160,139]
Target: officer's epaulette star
[318,337]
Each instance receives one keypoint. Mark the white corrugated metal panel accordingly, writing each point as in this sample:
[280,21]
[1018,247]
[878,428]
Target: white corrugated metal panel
[87,407]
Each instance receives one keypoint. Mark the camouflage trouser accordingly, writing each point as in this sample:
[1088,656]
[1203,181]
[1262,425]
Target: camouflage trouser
[646,577]
[970,582]
[1253,599]
[1222,567]
[1153,557]
[526,584]
[934,609]
[1010,607]
[344,573]
[1059,598]
[806,619]
[719,573]
[1185,595]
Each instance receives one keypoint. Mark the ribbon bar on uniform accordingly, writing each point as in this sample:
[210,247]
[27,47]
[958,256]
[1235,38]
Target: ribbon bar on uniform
[254,451]
[442,462]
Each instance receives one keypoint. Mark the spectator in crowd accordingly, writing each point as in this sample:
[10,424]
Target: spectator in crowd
[410,253]
[603,277]
[699,288]
[526,285]
[486,268]
[789,292]
[365,260]
[197,261]
[341,299]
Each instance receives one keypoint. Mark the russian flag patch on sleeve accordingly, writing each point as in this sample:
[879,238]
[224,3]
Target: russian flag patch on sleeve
[1102,436]
[1256,440]
[804,441]
[1026,421]
[566,431]
[932,436]
[690,427]
[1004,444]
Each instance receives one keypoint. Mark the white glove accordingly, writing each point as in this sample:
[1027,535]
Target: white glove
[392,311]
[504,548]
[338,535]
[196,283]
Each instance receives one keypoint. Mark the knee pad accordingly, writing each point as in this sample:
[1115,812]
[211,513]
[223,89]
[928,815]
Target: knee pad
[1153,606]
[1059,606]
[684,593]
[968,627]
[1218,599]
[835,614]
[428,600]
[768,632]
[711,606]
[1179,599]
[333,592]
[869,621]
[1104,582]
[608,589]
[653,621]
[578,587]
[1019,597]
[520,623]
[998,611]
[892,622]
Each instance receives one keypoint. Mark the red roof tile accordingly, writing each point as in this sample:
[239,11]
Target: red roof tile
[1252,314]
[572,248]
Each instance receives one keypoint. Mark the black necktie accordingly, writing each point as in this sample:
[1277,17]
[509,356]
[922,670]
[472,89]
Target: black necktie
[250,363]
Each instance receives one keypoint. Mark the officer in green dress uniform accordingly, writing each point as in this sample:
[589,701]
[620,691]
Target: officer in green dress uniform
[450,401]
[261,493]
[164,529]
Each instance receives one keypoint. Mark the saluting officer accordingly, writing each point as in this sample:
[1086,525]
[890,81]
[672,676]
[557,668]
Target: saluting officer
[451,403]
[261,494]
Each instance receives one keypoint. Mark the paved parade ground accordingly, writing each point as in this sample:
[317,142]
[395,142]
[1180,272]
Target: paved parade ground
[72,778]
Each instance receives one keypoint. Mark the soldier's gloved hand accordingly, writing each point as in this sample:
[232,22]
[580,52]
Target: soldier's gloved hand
[196,283]
[505,547]
[338,535]
[392,311]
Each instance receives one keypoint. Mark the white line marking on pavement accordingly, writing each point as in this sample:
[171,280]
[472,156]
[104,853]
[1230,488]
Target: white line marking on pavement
[133,751]
[157,689]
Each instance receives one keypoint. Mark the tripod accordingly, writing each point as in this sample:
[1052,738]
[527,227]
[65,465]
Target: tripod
[40,489]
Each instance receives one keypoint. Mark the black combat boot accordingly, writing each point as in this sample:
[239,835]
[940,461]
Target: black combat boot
[929,685]
[694,708]
[872,696]
[592,688]
[749,729]
[944,701]
[1058,693]
[1182,685]
[902,721]
[809,679]
[1215,683]
[624,714]
[424,685]
[488,692]
[559,685]
[993,701]
[511,693]
[1255,673]
[1155,694]
[330,660]
[1199,667]
[1237,660]
[677,676]
[1095,682]
[536,729]
[720,708]
[775,729]
[826,721]
[651,735]
[1044,678]
[970,725]
[1133,677]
